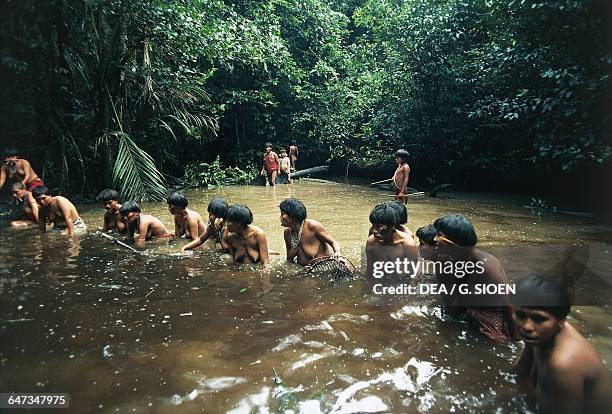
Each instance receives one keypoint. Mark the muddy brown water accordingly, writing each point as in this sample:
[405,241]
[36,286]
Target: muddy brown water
[160,333]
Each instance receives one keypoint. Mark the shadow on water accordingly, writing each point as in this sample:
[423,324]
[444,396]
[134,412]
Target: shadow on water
[163,333]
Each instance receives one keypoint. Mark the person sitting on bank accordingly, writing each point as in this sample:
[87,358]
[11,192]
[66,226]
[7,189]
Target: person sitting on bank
[401,176]
[462,263]
[247,243]
[18,169]
[24,209]
[293,154]
[389,243]
[112,217]
[305,239]
[57,210]
[285,164]
[562,366]
[215,227]
[271,166]
[187,222]
[147,226]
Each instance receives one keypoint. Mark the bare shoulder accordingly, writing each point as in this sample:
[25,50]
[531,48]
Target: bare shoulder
[371,242]
[575,354]
[313,225]
[64,201]
[258,231]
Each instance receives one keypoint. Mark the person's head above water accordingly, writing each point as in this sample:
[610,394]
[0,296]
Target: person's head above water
[401,155]
[41,194]
[455,229]
[401,209]
[107,195]
[385,218]
[427,235]
[239,214]
[541,306]
[18,189]
[10,152]
[130,210]
[217,207]
[292,210]
[109,198]
[177,202]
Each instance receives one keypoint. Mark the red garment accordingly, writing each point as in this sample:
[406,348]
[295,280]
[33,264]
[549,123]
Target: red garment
[35,183]
[270,162]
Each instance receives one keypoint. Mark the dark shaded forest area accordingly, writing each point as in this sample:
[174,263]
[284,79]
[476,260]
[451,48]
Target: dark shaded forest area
[485,94]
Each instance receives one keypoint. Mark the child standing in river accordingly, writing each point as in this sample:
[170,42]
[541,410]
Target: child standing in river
[401,175]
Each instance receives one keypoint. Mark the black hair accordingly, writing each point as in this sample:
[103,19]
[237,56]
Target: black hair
[240,213]
[385,213]
[457,228]
[177,199]
[107,195]
[293,208]
[403,154]
[18,184]
[10,152]
[427,234]
[129,207]
[401,209]
[268,144]
[218,206]
[540,292]
[39,191]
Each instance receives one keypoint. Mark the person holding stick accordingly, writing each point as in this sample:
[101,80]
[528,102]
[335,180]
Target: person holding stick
[401,176]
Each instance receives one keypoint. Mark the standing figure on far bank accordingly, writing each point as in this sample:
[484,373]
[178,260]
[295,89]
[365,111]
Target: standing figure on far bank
[271,165]
[293,154]
[400,178]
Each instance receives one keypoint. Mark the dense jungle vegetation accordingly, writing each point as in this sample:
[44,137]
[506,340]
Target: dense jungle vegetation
[493,94]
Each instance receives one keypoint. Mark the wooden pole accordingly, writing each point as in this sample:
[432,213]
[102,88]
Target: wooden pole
[382,181]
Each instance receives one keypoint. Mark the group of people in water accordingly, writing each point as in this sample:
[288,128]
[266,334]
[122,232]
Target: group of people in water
[563,367]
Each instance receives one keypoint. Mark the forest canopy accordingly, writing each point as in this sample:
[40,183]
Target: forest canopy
[132,92]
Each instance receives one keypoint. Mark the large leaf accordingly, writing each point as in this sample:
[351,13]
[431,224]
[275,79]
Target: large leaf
[135,173]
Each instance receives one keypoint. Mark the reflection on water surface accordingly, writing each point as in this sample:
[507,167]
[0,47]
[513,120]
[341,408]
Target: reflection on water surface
[162,333]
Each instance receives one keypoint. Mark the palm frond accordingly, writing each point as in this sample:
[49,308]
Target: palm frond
[135,173]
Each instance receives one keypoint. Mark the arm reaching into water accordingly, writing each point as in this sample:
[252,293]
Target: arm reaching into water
[197,241]
[65,209]
[262,242]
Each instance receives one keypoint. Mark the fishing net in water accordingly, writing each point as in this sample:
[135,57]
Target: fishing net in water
[335,267]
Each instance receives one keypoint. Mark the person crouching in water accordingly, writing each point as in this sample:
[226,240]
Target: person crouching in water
[388,242]
[215,228]
[305,239]
[271,165]
[147,226]
[247,243]
[564,368]
[112,217]
[24,209]
[427,241]
[461,263]
[57,210]
[187,222]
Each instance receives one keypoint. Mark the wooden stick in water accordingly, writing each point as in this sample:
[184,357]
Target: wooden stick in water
[381,181]
[119,242]
[419,193]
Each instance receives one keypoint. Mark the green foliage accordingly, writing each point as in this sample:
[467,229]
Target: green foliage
[215,174]
[504,88]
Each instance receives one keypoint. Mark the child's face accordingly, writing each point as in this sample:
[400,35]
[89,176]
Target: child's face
[174,209]
[536,326]
[18,193]
[110,205]
[43,200]
[382,232]
[399,160]
[131,216]
[211,216]
[283,154]
[268,149]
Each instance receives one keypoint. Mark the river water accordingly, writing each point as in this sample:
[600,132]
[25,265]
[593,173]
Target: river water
[160,333]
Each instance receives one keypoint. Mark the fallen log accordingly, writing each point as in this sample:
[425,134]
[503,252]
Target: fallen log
[309,171]
[282,178]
